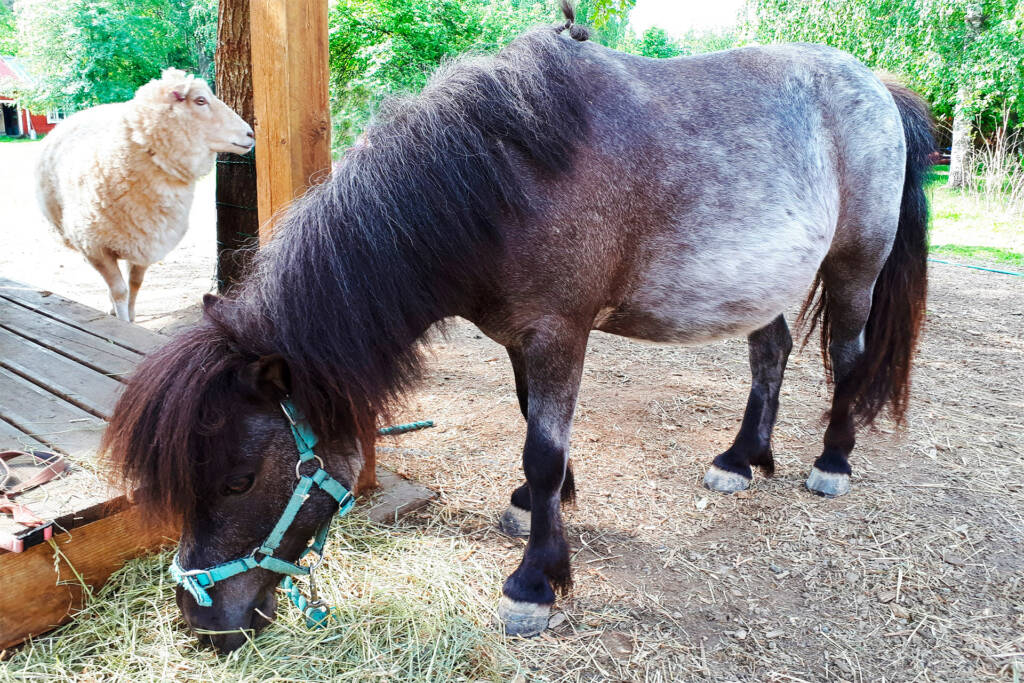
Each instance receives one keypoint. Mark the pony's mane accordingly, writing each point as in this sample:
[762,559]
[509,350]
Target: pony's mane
[409,225]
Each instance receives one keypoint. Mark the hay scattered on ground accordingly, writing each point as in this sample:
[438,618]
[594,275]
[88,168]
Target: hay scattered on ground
[409,608]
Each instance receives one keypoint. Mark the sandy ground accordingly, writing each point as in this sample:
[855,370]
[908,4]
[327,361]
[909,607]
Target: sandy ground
[30,253]
[915,575]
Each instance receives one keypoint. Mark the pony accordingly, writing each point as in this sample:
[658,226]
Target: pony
[552,189]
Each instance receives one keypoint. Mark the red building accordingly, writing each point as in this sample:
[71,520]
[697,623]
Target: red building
[17,121]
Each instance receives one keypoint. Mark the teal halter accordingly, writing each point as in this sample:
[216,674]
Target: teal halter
[197,581]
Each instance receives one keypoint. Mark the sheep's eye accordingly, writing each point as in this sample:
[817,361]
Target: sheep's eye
[200,101]
[238,484]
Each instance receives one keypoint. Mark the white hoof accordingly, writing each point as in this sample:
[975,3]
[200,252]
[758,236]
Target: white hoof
[725,481]
[828,484]
[515,521]
[523,618]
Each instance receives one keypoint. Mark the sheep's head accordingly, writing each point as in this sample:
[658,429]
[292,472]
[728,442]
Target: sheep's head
[188,104]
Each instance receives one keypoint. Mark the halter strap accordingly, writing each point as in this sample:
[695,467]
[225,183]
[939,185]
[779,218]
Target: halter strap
[198,581]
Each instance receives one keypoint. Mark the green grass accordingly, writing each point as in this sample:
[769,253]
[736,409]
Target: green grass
[966,231]
[5,138]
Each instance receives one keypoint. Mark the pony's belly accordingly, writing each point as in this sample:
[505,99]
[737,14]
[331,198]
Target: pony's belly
[680,326]
[704,305]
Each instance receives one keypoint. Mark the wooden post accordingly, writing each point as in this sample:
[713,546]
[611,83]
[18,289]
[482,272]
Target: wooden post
[293,122]
[237,219]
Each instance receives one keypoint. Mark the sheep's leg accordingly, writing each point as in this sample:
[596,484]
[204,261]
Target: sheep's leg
[135,275]
[106,264]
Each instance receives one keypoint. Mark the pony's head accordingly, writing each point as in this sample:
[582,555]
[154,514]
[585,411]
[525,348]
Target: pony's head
[200,435]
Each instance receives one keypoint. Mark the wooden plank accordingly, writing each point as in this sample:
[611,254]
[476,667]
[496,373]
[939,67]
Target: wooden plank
[48,418]
[290,83]
[13,439]
[90,320]
[41,589]
[396,497]
[76,383]
[98,353]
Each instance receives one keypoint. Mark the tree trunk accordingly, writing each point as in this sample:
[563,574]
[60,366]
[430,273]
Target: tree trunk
[960,147]
[237,218]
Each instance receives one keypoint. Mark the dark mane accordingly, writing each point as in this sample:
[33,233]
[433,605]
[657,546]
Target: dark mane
[409,224]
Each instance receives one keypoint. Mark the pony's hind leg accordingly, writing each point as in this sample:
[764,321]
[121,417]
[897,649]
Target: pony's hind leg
[515,521]
[769,351]
[849,305]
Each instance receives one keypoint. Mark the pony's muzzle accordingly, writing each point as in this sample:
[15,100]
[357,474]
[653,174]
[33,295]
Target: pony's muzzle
[227,628]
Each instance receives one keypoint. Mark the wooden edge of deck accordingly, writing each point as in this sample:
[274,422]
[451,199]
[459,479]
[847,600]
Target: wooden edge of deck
[40,588]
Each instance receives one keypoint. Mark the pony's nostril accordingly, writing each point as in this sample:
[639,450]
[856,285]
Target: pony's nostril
[251,134]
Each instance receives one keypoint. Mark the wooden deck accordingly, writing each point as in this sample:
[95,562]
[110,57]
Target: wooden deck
[61,367]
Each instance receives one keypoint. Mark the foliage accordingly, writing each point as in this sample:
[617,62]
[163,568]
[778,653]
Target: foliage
[87,52]
[384,46]
[378,47]
[8,31]
[655,42]
[936,46]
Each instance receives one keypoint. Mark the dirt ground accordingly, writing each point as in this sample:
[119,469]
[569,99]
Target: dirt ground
[916,575]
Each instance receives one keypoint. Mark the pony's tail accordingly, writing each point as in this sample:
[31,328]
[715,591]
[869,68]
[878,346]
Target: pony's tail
[882,375]
[577,31]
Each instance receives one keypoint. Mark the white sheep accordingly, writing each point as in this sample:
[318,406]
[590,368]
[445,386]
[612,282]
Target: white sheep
[116,181]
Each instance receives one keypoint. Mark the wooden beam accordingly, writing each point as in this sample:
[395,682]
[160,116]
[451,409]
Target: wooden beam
[293,122]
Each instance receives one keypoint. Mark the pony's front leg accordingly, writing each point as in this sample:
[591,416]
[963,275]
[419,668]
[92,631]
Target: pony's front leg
[553,358]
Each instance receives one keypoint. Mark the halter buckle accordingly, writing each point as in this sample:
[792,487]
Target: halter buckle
[192,573]
[298,464]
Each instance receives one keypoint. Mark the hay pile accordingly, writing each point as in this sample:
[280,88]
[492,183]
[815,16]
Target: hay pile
[408,607]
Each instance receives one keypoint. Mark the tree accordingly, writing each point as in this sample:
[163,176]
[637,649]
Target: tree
[87,52]
[379,47]
[655,42]
[8,31]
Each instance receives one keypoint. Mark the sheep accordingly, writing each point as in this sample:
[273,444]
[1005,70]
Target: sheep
[116,181]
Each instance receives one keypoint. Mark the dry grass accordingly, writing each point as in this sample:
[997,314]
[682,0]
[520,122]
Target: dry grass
[413,603]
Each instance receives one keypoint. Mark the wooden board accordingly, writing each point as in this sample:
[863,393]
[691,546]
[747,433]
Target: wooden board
[290,84]
[396,497]
[78,315]
[71,381]
[40,587]
[102,355]
[48,418]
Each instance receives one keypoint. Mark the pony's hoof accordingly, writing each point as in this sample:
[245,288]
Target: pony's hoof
[828,484]
[523,618]
[515,521]
[725,481]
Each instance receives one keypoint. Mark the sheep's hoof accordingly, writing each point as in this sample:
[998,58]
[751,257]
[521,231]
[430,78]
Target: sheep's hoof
[828,484]
[515,521]
[725,481]
[523,618]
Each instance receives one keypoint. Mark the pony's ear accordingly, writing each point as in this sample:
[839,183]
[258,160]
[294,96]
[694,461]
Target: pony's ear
[269,377]
[210,302]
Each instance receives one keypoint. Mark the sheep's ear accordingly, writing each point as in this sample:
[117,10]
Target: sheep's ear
[269,377]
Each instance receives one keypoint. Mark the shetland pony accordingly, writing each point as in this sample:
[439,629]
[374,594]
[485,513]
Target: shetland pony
[555,188]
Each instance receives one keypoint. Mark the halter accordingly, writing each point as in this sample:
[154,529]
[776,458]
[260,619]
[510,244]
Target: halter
[198,581]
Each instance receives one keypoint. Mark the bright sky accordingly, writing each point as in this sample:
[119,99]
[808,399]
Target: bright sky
[676,16]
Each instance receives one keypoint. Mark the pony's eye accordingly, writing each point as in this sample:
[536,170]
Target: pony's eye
[236,484]
[200,101]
